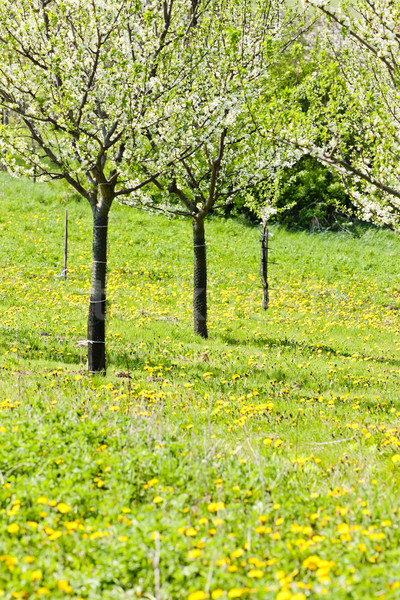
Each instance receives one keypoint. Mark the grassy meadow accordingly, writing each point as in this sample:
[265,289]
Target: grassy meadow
[263,463]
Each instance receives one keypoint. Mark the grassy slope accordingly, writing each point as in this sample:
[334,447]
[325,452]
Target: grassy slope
[260,464]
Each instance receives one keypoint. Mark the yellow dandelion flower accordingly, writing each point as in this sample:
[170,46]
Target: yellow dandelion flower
[13,528]
[236,593]
[237,553]
[284,595]
[255,573]
[263,518]
[199,595]
[343,528]
[216,506]
[63,508]
[262,529]
[64,586]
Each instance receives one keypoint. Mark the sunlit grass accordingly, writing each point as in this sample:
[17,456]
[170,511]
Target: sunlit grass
[263,463]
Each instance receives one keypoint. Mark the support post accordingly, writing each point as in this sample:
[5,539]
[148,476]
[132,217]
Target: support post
[65,245]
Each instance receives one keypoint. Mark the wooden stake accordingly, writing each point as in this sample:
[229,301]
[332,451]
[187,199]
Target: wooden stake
[65,245]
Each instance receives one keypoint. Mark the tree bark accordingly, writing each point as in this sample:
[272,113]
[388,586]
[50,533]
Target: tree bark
[199,278]
[97,306]
[264,266]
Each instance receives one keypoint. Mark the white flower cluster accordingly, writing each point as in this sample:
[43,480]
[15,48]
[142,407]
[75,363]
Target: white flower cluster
[345,111]
[131,95]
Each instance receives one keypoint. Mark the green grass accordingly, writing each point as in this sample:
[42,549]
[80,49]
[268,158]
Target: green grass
[262,463]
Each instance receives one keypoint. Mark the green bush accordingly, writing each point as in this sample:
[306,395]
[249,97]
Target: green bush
[317,195]
[310,196]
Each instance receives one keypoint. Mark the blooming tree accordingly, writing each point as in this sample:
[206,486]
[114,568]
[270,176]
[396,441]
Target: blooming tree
[233,47]
[84,81]
[345,112]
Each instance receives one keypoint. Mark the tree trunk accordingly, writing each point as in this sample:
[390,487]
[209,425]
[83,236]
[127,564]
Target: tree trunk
[199,278]
[264,266]
[97,305]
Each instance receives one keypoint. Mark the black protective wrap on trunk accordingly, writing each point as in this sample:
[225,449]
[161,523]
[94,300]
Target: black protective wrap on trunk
[264,267]
[97,306]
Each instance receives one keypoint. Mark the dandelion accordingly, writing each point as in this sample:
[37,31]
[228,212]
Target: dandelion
[216,506]
[255,573]
[262,529]
[157,500]
[64,586]
[63,508]
[236,593]
[284,595]
[263,518]
[343,528]
[199,595]
[13,528]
